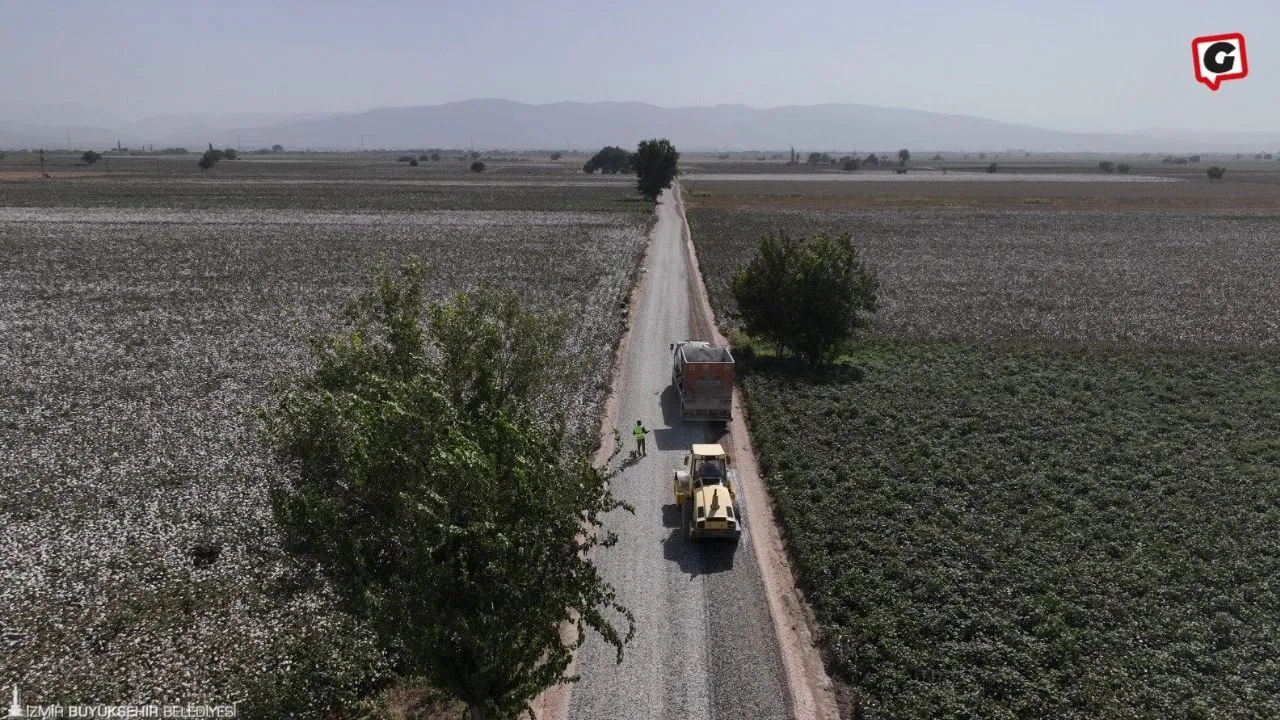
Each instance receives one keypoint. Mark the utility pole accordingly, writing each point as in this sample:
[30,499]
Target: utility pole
[238,148]
[68,139]
[361,143]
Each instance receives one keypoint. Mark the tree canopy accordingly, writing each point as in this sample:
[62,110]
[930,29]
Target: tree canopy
[430,477]
[91,157]
[657,163]
[808,295]
[209,159]
[610,160]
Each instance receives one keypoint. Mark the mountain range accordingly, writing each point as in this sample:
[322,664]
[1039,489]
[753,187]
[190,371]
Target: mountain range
[503,124]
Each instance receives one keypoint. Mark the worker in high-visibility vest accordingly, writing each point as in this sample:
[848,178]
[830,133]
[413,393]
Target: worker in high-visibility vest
[640,431]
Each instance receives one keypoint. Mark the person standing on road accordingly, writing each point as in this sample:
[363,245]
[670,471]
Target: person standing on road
[640,431]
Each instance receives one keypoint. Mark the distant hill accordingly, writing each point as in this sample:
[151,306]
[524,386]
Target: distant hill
[503,124]
[489,124]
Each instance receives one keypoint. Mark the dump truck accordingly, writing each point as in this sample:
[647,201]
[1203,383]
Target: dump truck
[703,376]
[706,496]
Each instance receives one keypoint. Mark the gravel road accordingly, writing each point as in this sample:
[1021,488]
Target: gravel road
[705,646]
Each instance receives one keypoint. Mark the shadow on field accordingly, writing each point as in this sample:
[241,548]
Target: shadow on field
[843,373]
[696,557]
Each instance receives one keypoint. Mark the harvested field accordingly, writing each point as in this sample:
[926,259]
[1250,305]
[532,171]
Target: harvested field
[300,192]
[928,176]
[1144,277]
[1261,193]
[138,557]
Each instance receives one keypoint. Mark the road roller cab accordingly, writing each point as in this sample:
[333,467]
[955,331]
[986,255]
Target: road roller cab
[706,495]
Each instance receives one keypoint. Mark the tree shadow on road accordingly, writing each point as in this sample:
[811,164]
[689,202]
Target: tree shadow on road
[631,460]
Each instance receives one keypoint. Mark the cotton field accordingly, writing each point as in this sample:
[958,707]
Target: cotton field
[138,559]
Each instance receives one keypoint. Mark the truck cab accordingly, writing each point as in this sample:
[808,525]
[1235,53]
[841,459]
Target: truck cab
[706,495]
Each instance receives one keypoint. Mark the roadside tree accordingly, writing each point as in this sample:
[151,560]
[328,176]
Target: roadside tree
[1215,173]
[430,478]
[904,156]
[91,157]
[656,163]
[807,295]
[1106,166]
[477,166]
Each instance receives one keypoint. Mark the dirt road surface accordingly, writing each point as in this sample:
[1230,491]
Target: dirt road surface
[705,645]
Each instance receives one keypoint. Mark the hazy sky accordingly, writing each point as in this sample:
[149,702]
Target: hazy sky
[1071,65]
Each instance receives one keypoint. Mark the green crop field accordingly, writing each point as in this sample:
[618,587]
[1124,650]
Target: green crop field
[143,320]
[1047,482]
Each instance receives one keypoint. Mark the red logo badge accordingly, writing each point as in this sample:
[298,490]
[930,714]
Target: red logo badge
[1219,58]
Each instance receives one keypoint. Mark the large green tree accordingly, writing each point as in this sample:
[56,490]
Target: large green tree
[808,295]
[610,160]
[657,163]
[431,478]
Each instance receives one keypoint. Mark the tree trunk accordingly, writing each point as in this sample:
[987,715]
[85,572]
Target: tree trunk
[477,712]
